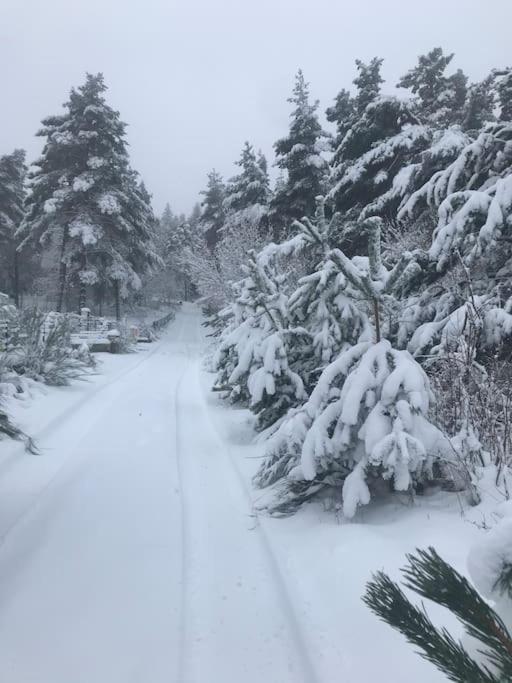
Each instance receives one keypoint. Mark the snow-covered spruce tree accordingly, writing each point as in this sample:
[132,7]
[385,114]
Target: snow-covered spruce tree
[12,198]
[299,155]
[440,98]
[366,419]
[250,188]
[479,106]
[85,199]
[503,79]
[346,109]
[309,245]
[342,113]
[256,356]
[485,655]
[246,210]
[213,212]
[374,159]
[471,245]
[323,302]
[136,254]
[368,82]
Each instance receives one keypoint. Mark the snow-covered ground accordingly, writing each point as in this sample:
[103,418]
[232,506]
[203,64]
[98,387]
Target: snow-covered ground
[129,551]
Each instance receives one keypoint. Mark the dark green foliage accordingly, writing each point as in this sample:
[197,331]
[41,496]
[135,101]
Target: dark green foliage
[379,144]
[12,197]
[479,105]
[342,115]
[504,88]
[441,98]
[368,82]
[213,211]
[251,186]
[299,155]
[431,577]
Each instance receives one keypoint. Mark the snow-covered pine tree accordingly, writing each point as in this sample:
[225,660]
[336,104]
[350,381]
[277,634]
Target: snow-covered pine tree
[503,78]
[366,419]
[347,109]
[485,655]
[440,98]
[136,254]
[246,201]
[322,302]
[341,113]
[471,246]
[213,213]
[250,188]
[375,158]
[368,82]
[479,106]
[300,156]
[85,199]
[255,356]
[12,198]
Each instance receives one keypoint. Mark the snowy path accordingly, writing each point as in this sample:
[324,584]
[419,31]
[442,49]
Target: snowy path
[134,557]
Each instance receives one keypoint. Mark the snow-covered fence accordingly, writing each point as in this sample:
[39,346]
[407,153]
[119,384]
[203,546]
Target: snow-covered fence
[148,331]
[159,324]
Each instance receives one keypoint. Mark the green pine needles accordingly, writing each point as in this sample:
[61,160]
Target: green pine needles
[431,577]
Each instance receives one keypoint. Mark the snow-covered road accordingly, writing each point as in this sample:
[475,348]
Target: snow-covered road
[129,552]
[135,557]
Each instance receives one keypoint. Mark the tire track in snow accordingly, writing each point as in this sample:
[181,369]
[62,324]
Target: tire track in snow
[302,648]
[182,652]
[298,639]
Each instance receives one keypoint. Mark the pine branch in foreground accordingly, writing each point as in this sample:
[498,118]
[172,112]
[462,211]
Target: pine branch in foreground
[431,577]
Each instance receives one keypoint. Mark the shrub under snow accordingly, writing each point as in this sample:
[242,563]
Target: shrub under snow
[366,419]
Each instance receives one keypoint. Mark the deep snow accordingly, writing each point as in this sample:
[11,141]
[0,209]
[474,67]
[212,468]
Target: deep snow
[129,551]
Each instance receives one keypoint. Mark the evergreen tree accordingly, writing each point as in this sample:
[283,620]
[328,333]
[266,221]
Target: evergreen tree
[213,212]
[504,88]
[479,106]
[255,360]
[473,197]
[342,115]
[440,98]
[368,83]
[299,155]
[85,200]
[251,186]
[322,303]
[12,197]
[373,161]
[367,415]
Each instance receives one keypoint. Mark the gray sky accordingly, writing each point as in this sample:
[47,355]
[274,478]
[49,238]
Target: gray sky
[194,79]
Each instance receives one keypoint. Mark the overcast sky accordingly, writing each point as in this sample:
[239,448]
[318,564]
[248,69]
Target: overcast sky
[195,78]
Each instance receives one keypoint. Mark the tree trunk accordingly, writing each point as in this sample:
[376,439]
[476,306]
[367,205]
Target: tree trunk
[82,295]
[117,298]
[62,272]
[377,319]
[16,279]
